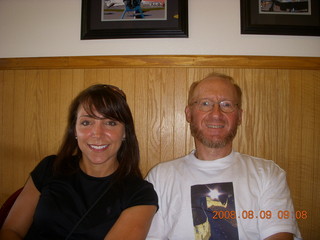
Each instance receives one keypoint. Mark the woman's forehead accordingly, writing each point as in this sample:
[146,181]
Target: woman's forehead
[90,110]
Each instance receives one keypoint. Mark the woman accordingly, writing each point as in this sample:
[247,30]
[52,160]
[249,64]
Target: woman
[93,187]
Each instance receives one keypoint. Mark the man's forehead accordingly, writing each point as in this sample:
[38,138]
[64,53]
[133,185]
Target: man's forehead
[214,85]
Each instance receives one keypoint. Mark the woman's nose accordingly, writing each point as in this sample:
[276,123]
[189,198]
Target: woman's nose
[97,130]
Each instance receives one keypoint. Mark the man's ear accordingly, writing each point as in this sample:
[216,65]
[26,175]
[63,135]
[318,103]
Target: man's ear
[240,116]
[188,113]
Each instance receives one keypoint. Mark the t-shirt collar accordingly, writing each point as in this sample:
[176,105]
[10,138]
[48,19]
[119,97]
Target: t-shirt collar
[216,164]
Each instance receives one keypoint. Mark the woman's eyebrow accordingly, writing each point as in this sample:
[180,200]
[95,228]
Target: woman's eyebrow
[85,115]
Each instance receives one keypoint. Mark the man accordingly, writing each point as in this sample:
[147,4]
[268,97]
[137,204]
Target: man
[215,192]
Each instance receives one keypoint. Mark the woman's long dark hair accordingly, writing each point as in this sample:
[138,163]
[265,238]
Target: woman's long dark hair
[110,102]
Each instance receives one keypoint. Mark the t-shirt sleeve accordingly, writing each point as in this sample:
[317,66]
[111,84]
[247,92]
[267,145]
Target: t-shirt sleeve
[158,228]
[277,199]
[42,172]
[143,194]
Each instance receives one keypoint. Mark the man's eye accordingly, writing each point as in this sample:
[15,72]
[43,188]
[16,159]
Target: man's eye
[226,104]
[205,103]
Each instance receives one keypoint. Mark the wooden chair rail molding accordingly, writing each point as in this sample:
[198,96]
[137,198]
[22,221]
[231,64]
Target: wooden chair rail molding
[281,118]
[263,62]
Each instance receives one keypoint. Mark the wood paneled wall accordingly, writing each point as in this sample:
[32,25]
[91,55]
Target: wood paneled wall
[281,119]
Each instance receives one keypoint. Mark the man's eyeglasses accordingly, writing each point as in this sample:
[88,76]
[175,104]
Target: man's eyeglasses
[207,105]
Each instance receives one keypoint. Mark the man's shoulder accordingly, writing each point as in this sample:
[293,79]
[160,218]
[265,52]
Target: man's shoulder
[257,162]
[168,167]
[256,159]
[170,163]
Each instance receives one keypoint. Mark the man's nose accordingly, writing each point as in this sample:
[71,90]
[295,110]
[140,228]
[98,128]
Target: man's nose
[216,109]
[215,112]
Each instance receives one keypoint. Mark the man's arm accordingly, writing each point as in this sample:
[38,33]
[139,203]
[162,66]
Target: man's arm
[280,236]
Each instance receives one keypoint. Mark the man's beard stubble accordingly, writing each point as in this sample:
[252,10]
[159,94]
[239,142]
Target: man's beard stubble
[196,133]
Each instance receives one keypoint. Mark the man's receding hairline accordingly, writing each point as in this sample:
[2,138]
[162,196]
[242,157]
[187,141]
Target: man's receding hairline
[212,76]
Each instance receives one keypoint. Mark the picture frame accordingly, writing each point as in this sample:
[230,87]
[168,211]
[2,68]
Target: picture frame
[282,19]
[174,24]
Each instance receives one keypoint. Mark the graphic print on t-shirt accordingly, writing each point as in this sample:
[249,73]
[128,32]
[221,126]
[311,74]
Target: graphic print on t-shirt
[213,211]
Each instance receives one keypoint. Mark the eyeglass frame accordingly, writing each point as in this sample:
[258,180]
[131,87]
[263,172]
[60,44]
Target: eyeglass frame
[235,105]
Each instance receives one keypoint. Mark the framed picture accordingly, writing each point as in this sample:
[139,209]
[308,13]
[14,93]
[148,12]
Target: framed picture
[105,19]
[280,17]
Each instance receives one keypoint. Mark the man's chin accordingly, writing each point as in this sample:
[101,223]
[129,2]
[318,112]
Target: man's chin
[220,144]
[212,143]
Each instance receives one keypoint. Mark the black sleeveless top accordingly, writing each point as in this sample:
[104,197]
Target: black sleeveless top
[64,200]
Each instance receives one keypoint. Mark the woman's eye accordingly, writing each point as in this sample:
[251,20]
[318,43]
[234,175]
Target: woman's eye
[85,123]
[111,123]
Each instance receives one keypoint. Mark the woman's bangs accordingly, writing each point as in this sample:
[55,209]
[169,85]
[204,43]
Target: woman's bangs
[107,109]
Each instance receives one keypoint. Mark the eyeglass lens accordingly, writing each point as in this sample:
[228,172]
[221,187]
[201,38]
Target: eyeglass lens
[207,105]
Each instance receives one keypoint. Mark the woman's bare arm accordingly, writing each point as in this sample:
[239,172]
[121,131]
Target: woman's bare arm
[21,214]
[133,223]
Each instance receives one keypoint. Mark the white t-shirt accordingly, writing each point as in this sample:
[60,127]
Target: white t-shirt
[235,197]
